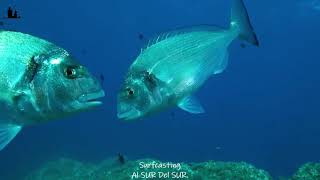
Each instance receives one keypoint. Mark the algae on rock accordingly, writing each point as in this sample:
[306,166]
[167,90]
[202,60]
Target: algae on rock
[309,171]
[63,169]
[229,170]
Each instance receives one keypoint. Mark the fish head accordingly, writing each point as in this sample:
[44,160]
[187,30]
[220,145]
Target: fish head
[62,86]
[133,99]
[139,96]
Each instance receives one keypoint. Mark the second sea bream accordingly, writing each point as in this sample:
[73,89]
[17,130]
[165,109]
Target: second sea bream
[176,64]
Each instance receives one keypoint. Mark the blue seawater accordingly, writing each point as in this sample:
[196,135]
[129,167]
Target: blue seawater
[264,109]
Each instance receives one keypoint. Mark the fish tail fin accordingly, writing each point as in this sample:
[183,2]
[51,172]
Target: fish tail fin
[240,22]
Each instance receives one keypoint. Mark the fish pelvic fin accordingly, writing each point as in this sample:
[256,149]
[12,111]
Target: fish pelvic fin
[7,133]
[191,105]
[240,22]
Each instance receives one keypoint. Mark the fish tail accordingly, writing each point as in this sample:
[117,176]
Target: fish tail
[240,22]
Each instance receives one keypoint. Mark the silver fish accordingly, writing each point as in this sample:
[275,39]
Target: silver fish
[39,82]
[176,64]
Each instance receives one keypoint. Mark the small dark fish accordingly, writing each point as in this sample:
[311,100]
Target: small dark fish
[242,45]
[102,78]
[121,158]
[1,23]
[141,36]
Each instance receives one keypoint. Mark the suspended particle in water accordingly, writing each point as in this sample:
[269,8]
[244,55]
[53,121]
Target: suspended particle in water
[141,36]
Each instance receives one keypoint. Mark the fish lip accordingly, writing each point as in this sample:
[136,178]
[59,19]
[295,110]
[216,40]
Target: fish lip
[127,115]
[91,99]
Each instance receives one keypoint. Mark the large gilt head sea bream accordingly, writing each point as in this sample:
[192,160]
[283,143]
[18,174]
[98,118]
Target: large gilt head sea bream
[176,64]
[40,81]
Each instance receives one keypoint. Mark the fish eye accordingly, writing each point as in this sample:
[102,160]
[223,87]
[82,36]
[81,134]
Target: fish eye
[70,72]
[130,91]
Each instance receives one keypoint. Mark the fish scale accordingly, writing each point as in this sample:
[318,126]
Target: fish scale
[194,54]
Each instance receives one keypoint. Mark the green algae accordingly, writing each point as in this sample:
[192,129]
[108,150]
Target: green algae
[110,169]
[309,171]
[229,170]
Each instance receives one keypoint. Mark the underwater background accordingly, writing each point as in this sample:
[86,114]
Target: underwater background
[264,109]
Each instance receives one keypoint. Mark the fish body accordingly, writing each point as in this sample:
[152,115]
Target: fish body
[176,64]
[39,82]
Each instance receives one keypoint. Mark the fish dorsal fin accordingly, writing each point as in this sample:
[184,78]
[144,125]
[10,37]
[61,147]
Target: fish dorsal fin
[191,105]
[7,133]
[179,31]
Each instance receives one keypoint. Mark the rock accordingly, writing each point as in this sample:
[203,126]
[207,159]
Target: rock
[309,171]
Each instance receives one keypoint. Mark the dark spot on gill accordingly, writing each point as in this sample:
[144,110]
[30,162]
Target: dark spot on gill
[32,69]
[150,79]
[29,74]
[26,79]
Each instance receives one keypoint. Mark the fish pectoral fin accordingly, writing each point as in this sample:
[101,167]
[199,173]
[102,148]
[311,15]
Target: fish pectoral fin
[191,105]
[223,64]
[7,133]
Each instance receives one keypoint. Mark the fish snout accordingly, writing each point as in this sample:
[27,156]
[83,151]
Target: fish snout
[127,112]
[91,92]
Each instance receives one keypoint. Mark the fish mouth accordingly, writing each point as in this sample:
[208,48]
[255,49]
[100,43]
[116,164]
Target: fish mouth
[128,113]
[91,99]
